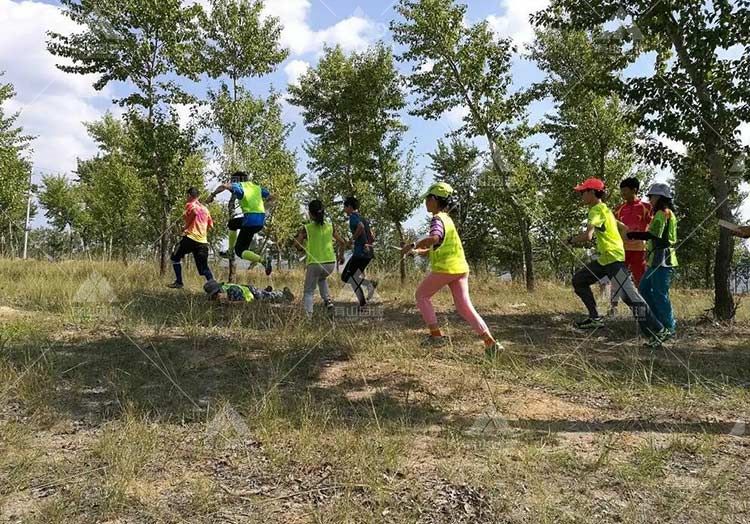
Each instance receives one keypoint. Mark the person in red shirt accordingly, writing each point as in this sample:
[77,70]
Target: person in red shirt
[195,240]
[636,215]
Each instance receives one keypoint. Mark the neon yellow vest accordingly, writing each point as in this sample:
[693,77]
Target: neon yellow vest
[449,257]
[319,245]
[252,202]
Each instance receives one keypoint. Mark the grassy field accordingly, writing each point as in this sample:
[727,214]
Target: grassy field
[145,405]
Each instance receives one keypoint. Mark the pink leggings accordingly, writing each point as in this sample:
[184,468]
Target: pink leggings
[459,286]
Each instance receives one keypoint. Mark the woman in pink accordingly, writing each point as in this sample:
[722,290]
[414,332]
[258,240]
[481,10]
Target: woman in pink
[448,268]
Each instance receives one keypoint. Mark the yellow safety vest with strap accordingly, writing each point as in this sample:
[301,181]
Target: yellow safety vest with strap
[319,245]
[252,201]
[449,256]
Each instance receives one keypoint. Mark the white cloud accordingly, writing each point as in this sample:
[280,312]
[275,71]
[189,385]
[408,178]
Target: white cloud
[674,145]
[52,104]
[353,33]
[744,131]
[295,69]
[455,116]
[61,137]
[514,22]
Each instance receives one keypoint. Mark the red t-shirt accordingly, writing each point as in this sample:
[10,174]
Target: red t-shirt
[637,216]
[197,221]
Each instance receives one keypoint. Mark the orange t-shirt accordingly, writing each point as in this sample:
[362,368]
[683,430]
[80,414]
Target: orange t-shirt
[197,221]
[637,216]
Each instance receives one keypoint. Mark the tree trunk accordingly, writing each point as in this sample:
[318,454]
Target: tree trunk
[707,268]
[402,261]
[165,225]
[723,301]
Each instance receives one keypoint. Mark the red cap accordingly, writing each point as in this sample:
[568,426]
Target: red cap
[591,183]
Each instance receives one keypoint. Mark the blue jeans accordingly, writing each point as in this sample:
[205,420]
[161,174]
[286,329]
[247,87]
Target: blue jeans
[654,289]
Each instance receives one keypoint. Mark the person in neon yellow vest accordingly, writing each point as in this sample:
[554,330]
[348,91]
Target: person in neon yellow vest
[448,267]
[237,217]
[317,238]
[252,198]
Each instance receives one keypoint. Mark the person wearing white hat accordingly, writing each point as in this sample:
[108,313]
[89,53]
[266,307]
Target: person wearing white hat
[662,258]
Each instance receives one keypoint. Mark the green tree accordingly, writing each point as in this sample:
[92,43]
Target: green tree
[15,171]
[594,134]
[695,94]
[350,104]
[112,191]
[236,44]
[64,209]
[458,65]
[146,44]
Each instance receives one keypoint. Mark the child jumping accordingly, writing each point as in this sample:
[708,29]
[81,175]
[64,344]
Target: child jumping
[662,258]
[317,239]
[448,268]
[195,239]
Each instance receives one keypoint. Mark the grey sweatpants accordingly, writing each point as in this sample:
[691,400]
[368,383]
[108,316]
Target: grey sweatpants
[316,275]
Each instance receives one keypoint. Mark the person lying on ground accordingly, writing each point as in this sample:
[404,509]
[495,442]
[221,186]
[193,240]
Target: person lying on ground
[227,292]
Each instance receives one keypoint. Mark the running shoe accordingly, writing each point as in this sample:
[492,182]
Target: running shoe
[590,323]
[493,351]
[176,285]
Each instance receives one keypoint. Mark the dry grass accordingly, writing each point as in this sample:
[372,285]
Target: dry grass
[160,407]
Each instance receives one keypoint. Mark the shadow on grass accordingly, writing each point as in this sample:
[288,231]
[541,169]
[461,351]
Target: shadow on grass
[176,378]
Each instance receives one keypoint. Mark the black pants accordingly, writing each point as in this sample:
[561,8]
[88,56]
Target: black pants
[622,283]
[235,224]
[200,254]
[354,275]
[245,238]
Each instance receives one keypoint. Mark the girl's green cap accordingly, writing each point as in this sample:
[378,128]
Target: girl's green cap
[439,189]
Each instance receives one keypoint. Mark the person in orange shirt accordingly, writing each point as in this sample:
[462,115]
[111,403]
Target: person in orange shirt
[636,215]
[195,239]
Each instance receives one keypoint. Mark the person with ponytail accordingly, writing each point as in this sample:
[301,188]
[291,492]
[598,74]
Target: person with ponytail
[662,259]
[448,267]
[316,237]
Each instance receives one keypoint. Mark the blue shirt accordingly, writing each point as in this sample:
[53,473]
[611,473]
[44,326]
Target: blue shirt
[358,250]
[251,219]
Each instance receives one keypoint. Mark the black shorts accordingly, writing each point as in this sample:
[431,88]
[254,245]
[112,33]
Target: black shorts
[235,224]
[199,251]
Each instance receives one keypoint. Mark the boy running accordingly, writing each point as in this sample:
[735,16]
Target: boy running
[195,239]
[362,253]
[636,215]
[252,199]
[610,262]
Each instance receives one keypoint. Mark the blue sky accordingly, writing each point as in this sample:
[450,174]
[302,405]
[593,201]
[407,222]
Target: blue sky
[53,104]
